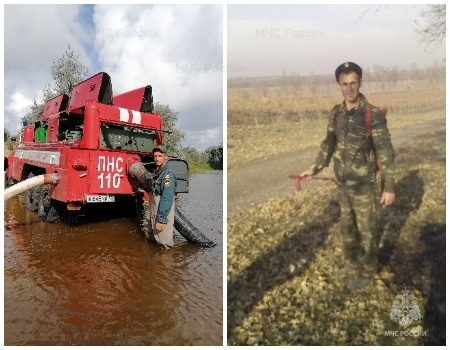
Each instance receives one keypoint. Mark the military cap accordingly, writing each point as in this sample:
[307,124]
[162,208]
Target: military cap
[162,149]
[348,67]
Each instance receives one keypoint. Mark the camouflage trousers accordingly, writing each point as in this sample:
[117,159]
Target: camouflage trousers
[361,225]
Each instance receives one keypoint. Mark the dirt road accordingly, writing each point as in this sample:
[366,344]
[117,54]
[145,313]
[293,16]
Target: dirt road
[256,181]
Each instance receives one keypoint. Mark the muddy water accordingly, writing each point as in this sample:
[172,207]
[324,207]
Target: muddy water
[102,283]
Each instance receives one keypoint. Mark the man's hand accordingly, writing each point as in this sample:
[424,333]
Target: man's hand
[387,198]
[159,226]
[307,174]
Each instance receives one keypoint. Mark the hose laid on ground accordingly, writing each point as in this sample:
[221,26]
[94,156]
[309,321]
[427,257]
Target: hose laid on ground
[28,184]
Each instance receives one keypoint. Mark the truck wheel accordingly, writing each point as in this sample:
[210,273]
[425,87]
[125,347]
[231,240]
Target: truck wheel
[48,208]
[31,197]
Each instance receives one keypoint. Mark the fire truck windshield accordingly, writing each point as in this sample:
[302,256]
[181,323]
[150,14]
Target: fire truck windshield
[114,136]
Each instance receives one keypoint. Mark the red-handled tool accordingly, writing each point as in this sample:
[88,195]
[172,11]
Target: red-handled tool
[299,178]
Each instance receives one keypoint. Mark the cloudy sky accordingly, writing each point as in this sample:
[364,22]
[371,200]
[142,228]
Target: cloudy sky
[315,39]
[176,49]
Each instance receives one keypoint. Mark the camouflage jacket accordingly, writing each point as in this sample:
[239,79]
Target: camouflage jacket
[353,151]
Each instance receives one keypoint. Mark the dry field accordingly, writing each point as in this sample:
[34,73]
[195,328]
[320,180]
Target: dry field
[282,256]
[267,105]
[259,128]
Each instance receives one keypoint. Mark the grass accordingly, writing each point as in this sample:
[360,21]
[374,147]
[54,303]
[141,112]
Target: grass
[282,256]
[250,142]
[199,168]
[263,121]
[263,106]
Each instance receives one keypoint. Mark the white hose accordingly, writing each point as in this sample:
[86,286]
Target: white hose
[28,184]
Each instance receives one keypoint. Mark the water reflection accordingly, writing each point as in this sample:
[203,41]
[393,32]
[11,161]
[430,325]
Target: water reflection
[102,283]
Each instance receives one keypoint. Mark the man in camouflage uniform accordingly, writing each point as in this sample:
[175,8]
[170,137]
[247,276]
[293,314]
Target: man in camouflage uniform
[355,155]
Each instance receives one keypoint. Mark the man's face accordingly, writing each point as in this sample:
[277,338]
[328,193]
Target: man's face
[349,83]
[160,158]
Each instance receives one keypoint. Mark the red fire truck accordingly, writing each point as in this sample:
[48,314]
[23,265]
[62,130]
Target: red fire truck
[86,139]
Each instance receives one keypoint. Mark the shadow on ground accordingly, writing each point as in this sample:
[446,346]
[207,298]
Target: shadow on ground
[423,266]
[410,191]
[248,288]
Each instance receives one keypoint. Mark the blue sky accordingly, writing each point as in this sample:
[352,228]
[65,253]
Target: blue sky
[315,39]
[176,49]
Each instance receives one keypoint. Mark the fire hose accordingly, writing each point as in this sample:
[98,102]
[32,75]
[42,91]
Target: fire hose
[28,184]
[299,178]
[136,169]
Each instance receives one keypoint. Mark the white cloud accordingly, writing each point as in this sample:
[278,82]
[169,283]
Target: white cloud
[34,36]
[37,34]
[176,49]
[16,106]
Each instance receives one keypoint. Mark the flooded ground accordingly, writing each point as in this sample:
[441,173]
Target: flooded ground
[102,283]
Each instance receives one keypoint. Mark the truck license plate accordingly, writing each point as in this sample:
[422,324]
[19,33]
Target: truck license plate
[100,199]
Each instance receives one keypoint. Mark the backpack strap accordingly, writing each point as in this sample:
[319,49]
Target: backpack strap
[335,111]
[368,121]
[368,118]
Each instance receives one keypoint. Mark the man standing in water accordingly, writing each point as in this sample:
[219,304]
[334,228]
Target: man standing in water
[356,152]
[162,201]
